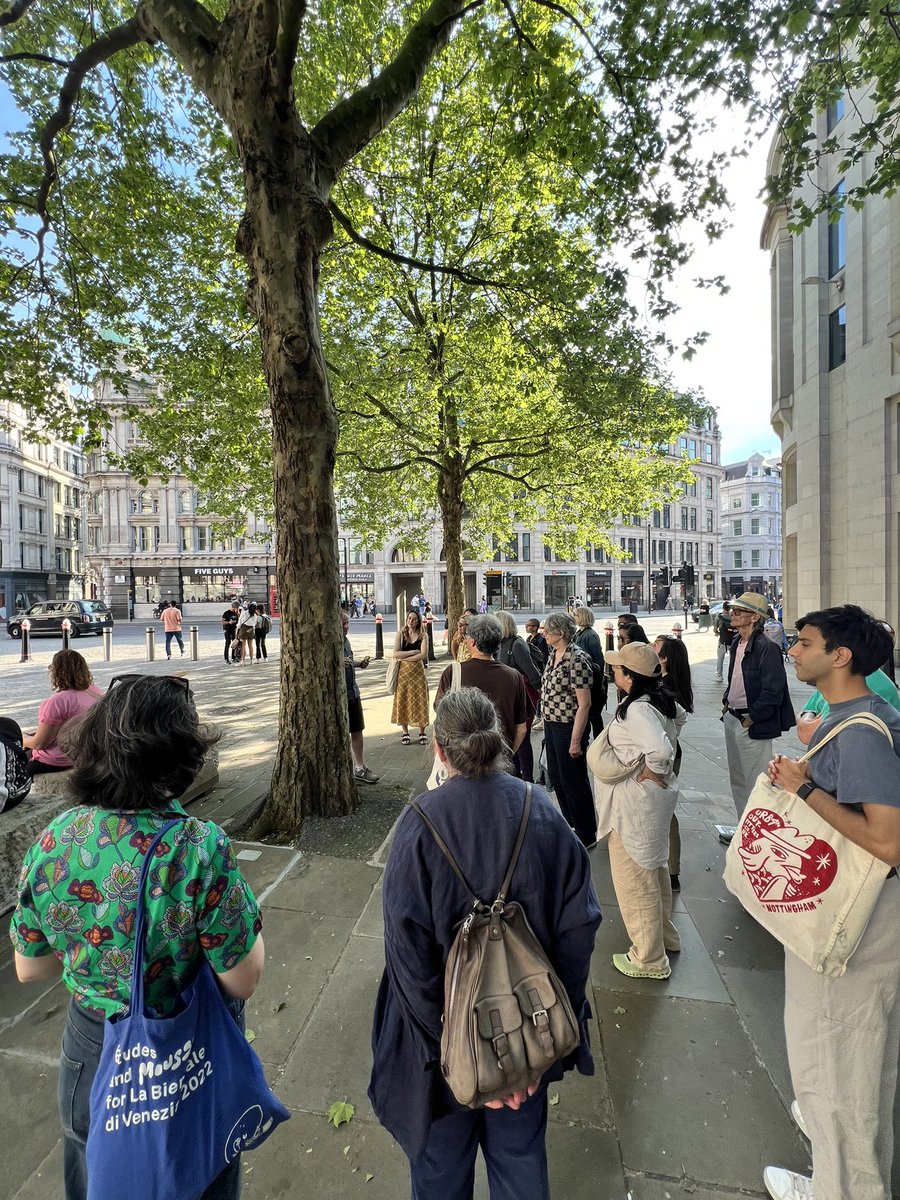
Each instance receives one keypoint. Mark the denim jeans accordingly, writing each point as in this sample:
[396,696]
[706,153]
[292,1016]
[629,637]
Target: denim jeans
[177,636]
[569,777]
[81,1044]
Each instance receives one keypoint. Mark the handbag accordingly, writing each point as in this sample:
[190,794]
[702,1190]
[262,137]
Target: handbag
[390,679]
[175,1098]
[439,769]
[603,761]
[808,885]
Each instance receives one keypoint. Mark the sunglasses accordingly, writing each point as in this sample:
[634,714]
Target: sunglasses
[179,680]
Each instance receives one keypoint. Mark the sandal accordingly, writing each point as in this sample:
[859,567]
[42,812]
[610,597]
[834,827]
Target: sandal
[405,739]
[423,740]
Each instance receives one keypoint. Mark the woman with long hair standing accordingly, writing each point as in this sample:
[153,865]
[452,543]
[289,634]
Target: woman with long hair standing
[636,811]
[676,678]
[588,640]
[411,694]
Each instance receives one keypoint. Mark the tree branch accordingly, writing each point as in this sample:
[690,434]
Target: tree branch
[518,455]
[353,122]
[100,51]
[192,33]
[18,9]
[25,56]
[290,22]
[417,264]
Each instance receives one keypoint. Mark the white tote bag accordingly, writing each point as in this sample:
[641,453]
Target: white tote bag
[439,770]
[810,886]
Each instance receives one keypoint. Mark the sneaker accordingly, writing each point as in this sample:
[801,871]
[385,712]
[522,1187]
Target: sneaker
[787,1185]
[624,964]
[364,775]
[718,679]
[798,1119]
[726,833]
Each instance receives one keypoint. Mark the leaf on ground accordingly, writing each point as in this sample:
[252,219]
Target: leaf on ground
[346,1150]
[340,1113]
[620,1010]
[250,1035]
[554,1099]
[368,1177]
[279,1006]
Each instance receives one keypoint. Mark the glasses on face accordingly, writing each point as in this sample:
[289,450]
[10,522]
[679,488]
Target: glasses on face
[179,680]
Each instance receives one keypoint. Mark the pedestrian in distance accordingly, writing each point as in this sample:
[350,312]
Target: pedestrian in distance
[263,627]
[357,724]
[229,624]
[459,646]
[138,750]
[477,811]
[171,623]
[725,634]
[676,680]
[566,707]
[411,693]
[636,812]
[843,1031]
[756,706]
[245,632]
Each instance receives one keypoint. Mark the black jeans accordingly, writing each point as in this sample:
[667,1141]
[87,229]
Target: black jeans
[82,1042]
[260,639]
[229,634]
[569,777]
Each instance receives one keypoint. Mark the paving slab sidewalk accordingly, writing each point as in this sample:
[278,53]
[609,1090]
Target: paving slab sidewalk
[691,1093]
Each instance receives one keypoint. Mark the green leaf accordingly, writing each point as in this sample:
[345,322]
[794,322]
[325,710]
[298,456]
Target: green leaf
[340,1113]
[250,1035]
[554,1100]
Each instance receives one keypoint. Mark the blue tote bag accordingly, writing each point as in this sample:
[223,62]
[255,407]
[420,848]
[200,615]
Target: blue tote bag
[175,1098]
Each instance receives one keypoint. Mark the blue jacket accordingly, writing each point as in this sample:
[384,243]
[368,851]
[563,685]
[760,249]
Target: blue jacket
[423,905]
[765,681]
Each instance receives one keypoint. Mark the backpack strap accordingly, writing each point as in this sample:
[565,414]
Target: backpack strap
[445,850]
[520,838]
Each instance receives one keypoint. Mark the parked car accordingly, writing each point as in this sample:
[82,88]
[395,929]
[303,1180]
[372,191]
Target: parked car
[714,610]
[46,617]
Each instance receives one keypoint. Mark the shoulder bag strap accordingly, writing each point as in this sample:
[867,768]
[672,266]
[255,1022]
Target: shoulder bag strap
[520,838]
[860,719]
[455,676]
[445,850]
[136,1001]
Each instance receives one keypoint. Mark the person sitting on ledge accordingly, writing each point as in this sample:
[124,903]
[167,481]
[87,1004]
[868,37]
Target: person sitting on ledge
[74,693]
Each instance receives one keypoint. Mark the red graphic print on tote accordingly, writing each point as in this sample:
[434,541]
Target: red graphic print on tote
[784,866]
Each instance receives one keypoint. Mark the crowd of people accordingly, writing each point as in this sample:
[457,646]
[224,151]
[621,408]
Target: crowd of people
[614,770]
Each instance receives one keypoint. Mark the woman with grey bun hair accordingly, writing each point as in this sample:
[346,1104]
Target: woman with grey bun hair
[477,812]
[566,705]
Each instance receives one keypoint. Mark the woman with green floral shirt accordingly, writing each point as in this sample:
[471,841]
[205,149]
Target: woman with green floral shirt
[138,748]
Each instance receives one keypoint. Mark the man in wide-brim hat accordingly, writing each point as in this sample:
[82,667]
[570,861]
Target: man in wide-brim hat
[756,704]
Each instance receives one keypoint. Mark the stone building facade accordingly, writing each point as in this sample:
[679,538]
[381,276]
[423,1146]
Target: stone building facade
[42,509]
[836,388]
[751,527]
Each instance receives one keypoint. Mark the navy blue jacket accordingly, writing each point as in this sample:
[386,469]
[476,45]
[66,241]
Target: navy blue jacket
[423,905]
[768,699]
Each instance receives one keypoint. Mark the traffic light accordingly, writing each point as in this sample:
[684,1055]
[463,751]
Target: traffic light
[664,576]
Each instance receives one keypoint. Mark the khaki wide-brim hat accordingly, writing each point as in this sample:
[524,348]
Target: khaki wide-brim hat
[636,657]
[753,602]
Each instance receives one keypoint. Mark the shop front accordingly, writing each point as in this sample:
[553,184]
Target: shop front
[633,588]
[557,589]
[598,589]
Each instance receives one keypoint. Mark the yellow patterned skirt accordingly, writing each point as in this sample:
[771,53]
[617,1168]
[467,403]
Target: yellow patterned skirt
[411,696]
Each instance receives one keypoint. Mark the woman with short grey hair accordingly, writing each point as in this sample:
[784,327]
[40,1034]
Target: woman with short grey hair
[566,705]
[477,812]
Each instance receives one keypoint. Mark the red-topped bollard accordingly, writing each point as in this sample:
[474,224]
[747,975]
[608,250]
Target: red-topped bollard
[379,635]
[608,629]
[429,621]
[676,630]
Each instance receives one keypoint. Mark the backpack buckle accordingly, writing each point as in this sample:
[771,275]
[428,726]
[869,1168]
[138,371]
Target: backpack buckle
[539,1017]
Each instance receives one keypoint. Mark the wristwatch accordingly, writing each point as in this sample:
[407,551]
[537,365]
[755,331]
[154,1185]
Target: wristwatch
[804,790]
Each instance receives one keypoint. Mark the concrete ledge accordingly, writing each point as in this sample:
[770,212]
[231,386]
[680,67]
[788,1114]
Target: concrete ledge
[48,797]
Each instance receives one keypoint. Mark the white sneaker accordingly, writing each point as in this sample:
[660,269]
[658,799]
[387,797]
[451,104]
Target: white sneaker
[798,1119]
[787,1185]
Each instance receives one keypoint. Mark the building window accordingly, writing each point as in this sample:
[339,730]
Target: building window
[738,528]
[526,547]
[694,520]
[709,489]
[736,502]
[707,454]
[709,554]
[837,337]
[201,537]
[656,518]
[709,520]
[738,560]
[754,525]
[834,113]
[754,499]
[692,448]
[837,230]
[184,501]
[684,517]
[754,558]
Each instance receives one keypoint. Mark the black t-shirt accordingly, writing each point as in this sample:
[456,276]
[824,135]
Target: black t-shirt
[229,619]
[502,684]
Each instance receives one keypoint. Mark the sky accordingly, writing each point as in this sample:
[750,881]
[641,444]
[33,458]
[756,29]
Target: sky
[733,368]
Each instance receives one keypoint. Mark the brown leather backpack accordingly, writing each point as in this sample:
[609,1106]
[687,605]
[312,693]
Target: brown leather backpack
[507,1017]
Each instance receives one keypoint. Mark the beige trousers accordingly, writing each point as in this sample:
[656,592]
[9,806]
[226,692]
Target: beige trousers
[843,1039]
[645,902]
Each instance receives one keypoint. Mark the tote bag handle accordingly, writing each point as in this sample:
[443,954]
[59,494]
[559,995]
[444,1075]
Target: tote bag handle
[860,719]
[136,1000]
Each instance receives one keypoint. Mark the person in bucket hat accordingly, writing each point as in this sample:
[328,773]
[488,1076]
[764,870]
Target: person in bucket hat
[756,706]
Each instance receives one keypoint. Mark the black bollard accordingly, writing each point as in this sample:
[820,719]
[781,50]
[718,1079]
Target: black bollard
[66,633]
[26,648]
[429,622]
[379,636]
